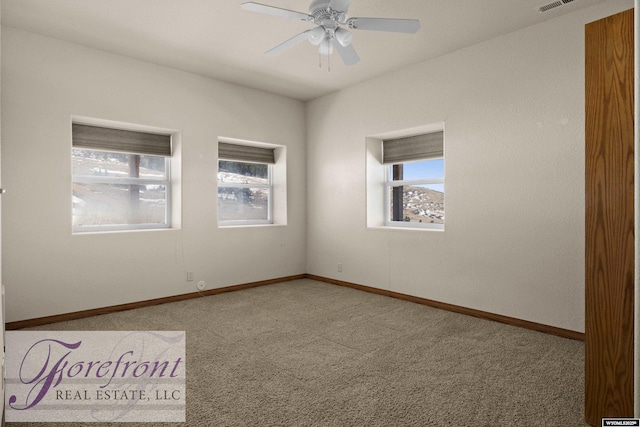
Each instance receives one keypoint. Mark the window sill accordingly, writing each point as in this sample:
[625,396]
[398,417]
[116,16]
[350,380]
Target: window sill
[250,225]
[119,231]
[405,228]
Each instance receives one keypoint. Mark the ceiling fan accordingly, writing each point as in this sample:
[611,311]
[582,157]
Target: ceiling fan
[331,32]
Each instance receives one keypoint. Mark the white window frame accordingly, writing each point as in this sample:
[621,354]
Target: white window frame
[390,184]
[111,180]
[268,187]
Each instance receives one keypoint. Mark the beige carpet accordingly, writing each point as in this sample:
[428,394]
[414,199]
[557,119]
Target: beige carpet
[306,353]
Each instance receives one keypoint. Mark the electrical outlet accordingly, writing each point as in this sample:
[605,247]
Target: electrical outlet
[201,285]
[189,276]
[339,267]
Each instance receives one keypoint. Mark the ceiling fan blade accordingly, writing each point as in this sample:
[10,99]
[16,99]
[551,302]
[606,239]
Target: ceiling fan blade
[347,53]
[289,43]
[385,24]
[340,5]
[276,11]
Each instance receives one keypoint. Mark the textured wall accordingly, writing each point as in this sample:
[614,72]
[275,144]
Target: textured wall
[513,109]
[47,270]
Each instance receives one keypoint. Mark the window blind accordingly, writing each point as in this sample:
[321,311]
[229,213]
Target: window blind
[246,153]
[99,138]
[418,147]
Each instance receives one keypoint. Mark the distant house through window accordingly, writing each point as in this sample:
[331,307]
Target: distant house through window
[415,181]
[121,179]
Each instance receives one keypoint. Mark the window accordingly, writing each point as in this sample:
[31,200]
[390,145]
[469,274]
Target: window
[121,179]
[245,184]
[414,184]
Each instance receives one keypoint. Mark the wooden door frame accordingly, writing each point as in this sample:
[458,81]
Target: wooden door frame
[636,391]
[610,217]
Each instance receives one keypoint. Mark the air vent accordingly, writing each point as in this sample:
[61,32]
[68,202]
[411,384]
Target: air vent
[553,5]
[548,7]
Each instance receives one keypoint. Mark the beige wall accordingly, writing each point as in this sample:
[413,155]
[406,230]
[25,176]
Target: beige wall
[513,111]
[47,270]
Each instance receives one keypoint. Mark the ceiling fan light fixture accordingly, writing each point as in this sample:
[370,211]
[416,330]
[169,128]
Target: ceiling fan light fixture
[316,36]
[344,37]
[330,16]
[326,48]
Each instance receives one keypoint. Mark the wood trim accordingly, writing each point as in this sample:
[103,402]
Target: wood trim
[130,306]
[565,333]
[552,330]
[609,217]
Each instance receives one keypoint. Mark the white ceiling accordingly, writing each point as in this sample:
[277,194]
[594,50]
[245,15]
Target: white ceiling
[216,38]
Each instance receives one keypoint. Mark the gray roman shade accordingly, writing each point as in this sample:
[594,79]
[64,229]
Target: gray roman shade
[99,138]
[418,147]
[246,153]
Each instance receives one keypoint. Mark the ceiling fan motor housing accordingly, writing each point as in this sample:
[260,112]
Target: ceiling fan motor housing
[326,17]
[317,5]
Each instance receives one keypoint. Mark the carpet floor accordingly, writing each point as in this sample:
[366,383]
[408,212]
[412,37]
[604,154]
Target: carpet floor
[306,353]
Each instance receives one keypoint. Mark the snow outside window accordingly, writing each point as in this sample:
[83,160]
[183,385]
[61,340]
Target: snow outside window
[120,190]
[121,178]
[244,193]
